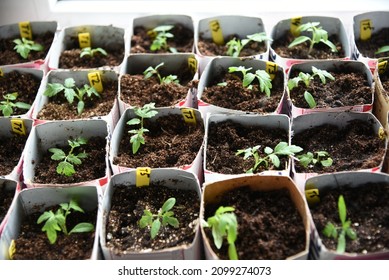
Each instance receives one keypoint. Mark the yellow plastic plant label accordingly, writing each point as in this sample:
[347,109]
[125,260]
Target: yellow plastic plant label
[217,33]
[84,40]
[1,72]
[152,34]
[18,126]
[95,81]
[11,249]
[271,69]
[365,28]
[294,24]
[189,116]
[192,64]
[312,196]
[381,133]
[381,66]
[25,30]
[142,177]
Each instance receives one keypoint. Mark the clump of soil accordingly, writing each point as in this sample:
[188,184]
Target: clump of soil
[319,51]
[33,244]
[368,211]
[354,147]
[9,56]
[6,197]
[210,48]
[25,84]
[349,88]
[234,96]
[269,225]
[170,142]
[182,41]
[227,137]
[11,149]
[128,204]
[377,40]
[92,167]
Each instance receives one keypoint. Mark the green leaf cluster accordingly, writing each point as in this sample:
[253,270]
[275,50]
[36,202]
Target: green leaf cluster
[161,37]
[164,217]
[150,71]
[24,47]
[321,157]
[88,51]
[331,230]
[57,221]
[382,50]
[66,166]
[235,46]
[145,112]
[262,76]
[224,224]
[318,35]
[72,92]
[7,105]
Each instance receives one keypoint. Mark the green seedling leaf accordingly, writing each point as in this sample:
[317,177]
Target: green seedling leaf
[309,99]
[382,50]
[24,47]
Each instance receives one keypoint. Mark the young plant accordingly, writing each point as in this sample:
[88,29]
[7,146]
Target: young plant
[145,112]
[164,217]
[7,105]
[262,76]
[224,225]
[57,221]
[160,36]
[319,35]
[71,92]
[235,46]
[272,156]
[24,46]
[322,157]
[382,50]
[66,166]
[150,71]
[331,231]
[91,52]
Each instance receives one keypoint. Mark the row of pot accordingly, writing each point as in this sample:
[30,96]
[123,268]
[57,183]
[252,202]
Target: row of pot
[185,38]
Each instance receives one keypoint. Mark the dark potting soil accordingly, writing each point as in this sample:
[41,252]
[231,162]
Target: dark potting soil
[319,51]
[182,41]
[368,211]
[93,167]
[378,39]
[384,78]
[33,244]
[269,225]
[170,142]
[11,149]
[128,204]
[234,96]
[209,48]
[227,137]
[6,197]
[9,56]
[58,108]
[25,84]
[354,147]
[348,89]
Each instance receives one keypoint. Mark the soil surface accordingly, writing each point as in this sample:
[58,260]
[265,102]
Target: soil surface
[33,244]
[355,147]
[384,78]
[11,149]
[128,204]
[225,138]
[9,56]
[269,225]
[348,89]
[58,107]
[367,209]
[234,96]
[6,197]
[25,84]
[170,142]
[210,48]
[369,47]
[182,41]
[319,51]
[93,167]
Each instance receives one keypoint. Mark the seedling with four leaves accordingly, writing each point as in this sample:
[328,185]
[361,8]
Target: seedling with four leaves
[88,51]
[224,224]
[7,105]
[57,221]
[66,166]
[235,46]
[145,112]
[160,36]
[24,47]
[332,231]
[164,217]
[150,71]
[322,157]
[71,92]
